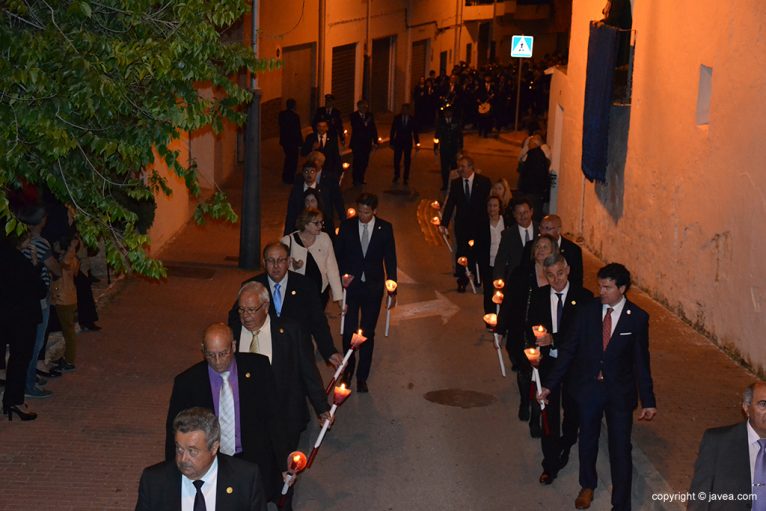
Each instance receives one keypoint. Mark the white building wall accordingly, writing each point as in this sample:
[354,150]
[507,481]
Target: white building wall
[687,223]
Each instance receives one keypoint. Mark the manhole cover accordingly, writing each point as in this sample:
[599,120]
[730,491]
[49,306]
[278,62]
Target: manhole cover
[459,397]
[190,272]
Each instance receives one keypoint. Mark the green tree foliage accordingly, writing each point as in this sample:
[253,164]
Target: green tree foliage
[92,91]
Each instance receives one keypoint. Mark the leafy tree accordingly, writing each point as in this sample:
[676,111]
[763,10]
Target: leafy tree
[91,92]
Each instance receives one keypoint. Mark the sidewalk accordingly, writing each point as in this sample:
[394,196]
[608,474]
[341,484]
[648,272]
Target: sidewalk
[105,421]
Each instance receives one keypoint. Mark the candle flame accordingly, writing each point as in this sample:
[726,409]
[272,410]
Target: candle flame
[435,204]
[436,140]
[337,230]
[490,319]
[391,286]
[346,165]
[470,243]
[435,220]
[462,261]
[499,283]
[350,212]
[498,297]
[296,461]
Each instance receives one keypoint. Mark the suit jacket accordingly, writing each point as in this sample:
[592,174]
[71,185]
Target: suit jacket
[364,133]
[512,250]
[723,466]
[401,136]
[625,363]
[470,215]
[450,136]
[290,129]
[301,303]
[160,487]
[261,421]
[380,261]
[571,252]
[331,203]
[332,164]
[334,121]
[540,314]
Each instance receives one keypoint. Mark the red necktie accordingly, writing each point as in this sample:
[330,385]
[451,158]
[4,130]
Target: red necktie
[606,329]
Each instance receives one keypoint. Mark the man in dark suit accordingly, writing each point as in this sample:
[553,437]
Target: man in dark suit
[288,349]
[554,307]
[608,353]
[298,300]
[198,477]
[291,139]
[331,200]
[241,389]
[732,459]
[468,199]
[327,144]
[365,249]
[449,134]
[403,132]
[515,238]
[333,117]
[364,138]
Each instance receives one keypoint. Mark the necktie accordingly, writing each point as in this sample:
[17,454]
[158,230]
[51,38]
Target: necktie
[322,141]
[278,299]
[467,189]
[759,477]
[199,499]
[559,311]
[226,418]
[365,239]
[254,344]
[606,328]
[404,120]
[526,236]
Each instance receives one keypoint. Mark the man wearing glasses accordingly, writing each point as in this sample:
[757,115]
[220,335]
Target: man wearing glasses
[240,388]
[293,297]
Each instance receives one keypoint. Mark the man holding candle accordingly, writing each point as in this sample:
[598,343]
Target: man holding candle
[241,389]
[608,352]
[366,250]
[467,198]
[364,138]
[552,310]
[448,140]
[513,240]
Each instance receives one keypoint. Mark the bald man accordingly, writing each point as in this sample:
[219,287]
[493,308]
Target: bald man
[241,390]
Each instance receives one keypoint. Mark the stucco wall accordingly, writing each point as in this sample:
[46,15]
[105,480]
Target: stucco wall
[685,217]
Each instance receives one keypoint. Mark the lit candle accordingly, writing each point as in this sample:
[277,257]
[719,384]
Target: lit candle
[533,355]
[345,132]
[296,462]
[491,319]
[356,340]
[497,298]
[539,331]
[463,261]
[435,204]
[337,230]
[380,139]
[339,396]
[498,283]
[350,213]
[436,140]
[346,165]
[391,289]
[417,144]
[470,243]
[435,220]
[346,281]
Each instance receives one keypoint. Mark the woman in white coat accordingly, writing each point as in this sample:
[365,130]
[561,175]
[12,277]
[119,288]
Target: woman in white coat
[312,255]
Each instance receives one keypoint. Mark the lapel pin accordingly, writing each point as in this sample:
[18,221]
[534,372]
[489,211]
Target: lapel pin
[627,312]
[574,303]
[229,490]
[247,375]
[281,330]
[293,292]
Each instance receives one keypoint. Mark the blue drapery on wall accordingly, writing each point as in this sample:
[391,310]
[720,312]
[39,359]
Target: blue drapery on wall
[602,52]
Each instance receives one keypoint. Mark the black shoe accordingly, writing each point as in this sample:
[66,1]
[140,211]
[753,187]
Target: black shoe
[524,413]
[17,409]
[564,458]
[51,373]
[65,367]
[546,478]
[461,287]
[361,387]
[90,327]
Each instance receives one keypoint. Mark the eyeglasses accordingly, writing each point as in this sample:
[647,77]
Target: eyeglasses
[309,171]
[318,223]
[250,310]
[213,355]
[275,262]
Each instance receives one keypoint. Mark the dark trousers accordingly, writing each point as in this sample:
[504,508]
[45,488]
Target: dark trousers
[488,290]
[290,167]
[619,423]
[553,443]
[21,340]
[448,162]
[363,301]
[86,305]
[485,124]
[398,153]
[361,158]
[570,424]
[463,249]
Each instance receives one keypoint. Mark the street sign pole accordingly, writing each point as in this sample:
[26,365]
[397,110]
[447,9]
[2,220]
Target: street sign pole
[518,96]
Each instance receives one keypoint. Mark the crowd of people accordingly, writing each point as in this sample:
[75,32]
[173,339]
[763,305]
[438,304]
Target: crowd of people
[46,287]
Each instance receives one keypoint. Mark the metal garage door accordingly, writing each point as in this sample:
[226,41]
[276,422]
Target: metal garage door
[343,72]
[419,63]
[299,78]
[381,74]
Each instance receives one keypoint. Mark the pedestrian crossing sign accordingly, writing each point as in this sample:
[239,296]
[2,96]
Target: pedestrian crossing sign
[521,46]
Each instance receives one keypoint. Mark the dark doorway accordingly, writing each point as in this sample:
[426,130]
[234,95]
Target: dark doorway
[381,74]
[343,72]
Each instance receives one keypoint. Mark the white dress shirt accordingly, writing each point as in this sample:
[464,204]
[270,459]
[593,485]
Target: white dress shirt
[264,339]
[470,183]
[370,226]
[189,492]
[753,448]
[523,230]
[494,239]
[616,312]
[555,307]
